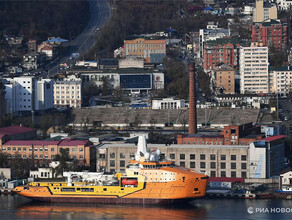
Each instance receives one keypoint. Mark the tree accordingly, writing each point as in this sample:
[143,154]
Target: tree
[3,160]
[21,166]
[105,85]
[63,158]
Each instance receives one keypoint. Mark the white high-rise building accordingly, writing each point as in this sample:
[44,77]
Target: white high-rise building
[253,69]
[27,93]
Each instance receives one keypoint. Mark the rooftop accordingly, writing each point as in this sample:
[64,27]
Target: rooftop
[12,130]
[226,40]
[64,142]
[273,138]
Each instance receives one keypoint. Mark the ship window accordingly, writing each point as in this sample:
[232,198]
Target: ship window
[196,189]
[87,190]
[135,173]
[122,188]
[78,189]
[67,189]
[104,189]
[183,178]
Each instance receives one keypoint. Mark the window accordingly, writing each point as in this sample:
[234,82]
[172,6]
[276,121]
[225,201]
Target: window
[41,149]
[81,157]
[19,149]
[122,163]
[243,166]
[233,165]
[172,156]
[223,157]
[223,173]
[243,157]
[223,165]
[74,149]
[233,174]
[182,156]
[112,155]
[233,157]
[41,156]
[202,165]
[192,164]
[132,155]
[9,148]
[162,156]
[213,173]
[112,163]
[14,148]
[213,165]
[212,157]
[24,149]
[52,149]
[46,149]
[122,155]
[80,149]
[182,164]
[192,156]
[243,174]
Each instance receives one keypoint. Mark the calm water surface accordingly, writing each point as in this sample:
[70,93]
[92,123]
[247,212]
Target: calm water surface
[16,207]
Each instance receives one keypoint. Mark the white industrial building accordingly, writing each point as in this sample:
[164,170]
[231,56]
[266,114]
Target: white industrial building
[27,93]
[168,103]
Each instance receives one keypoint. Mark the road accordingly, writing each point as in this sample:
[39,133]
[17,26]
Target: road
[99,15]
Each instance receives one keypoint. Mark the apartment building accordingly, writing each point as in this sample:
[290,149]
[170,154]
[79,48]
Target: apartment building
[27,93]
[212,32]
[67,93]
[264,11]
[284,5]
[272,34]
[282,80]
[147,49]
[221,51]
[225,80]
[81,150]
[254,73]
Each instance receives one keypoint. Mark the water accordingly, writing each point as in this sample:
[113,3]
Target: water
[16,207]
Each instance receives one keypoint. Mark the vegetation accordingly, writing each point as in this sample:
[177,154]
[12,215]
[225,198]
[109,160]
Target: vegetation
[148,17]
[64,163]
[41,19]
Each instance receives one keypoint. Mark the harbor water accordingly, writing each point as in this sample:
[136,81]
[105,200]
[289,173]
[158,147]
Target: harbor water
[17,207]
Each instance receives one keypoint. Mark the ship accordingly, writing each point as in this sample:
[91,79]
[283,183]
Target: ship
[147,180]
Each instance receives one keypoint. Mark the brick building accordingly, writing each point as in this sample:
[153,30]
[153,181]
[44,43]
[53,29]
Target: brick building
[231,135]
[272,34]
[81,150]
[146,49]
[225,80]
[221,51]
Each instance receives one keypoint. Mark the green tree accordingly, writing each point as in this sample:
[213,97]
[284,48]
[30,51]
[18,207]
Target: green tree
[64,162]
[105,85]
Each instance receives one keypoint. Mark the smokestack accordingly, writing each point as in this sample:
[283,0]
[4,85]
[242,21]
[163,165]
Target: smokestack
[192,101]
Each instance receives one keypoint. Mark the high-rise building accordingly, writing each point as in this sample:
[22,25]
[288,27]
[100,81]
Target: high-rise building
[26,93]
[225,80]
[264,11]
[2,99]
[254,73]
[282,80]
[272,34]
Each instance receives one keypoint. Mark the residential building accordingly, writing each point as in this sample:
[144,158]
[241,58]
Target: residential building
[67,93]
[284,5]
[32,46]
[282,80]
[150,50]
[129,79]
[27,93]
[168,103]
[286,181]
[225,80]
[254,73]
[264,11]
[236,161]
[221,51]
[211,33]
[33,61]
[2,100]
[44,152]
[230,135]
[272,34]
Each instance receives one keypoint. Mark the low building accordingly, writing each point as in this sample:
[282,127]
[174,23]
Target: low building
[231,135]
[67,93]
[19,133]
[225,80]
[286,180]
[33,61]
[43,152]
[282,80]
[168,103]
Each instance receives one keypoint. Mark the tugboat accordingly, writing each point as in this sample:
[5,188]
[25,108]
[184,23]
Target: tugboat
[147,180]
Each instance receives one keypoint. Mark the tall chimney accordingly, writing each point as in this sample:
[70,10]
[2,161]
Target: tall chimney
[192,101]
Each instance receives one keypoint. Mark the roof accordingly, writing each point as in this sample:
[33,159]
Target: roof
[226,179]
[226,40]
[56,40]
[208,8]
[273,138]
[30,143]
[281,68]
[69,142]
[13,130]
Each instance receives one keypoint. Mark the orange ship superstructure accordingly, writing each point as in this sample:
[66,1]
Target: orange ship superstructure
[147,180]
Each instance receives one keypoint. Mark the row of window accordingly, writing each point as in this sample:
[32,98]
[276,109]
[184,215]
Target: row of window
[223,174]
[74,149]
[213,165]
[41,156]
